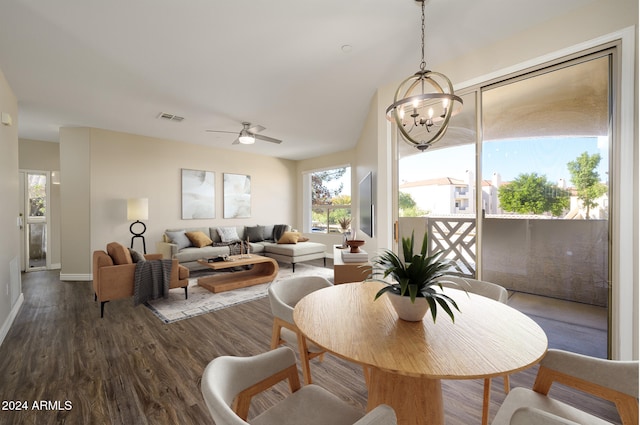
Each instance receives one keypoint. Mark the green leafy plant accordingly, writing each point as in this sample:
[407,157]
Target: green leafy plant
[417,276]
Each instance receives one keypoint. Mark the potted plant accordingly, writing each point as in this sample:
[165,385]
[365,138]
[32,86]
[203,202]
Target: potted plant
[414,281]
[344,223]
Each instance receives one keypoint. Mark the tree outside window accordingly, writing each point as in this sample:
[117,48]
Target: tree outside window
[586,180]
[331,200]
[37,195]
[533,194]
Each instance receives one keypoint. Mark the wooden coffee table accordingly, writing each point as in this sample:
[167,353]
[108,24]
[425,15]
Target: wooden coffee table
[264,270]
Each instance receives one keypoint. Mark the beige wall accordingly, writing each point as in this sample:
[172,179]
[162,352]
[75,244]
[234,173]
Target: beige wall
[111,167]
[594,20]
[375,154]
[38,155]
[35,155]
[75,203]
[10,291]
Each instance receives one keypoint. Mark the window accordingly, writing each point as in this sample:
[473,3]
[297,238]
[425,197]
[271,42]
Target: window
[330,200]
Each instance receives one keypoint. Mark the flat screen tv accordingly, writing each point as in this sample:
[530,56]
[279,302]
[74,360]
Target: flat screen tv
[365,191]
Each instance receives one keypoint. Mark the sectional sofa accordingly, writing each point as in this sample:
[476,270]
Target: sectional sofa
[188,245]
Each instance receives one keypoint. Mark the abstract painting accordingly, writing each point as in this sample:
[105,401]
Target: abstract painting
[237,196]
[198,194]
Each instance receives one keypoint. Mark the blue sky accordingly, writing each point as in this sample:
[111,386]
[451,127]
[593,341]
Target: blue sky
[548,156]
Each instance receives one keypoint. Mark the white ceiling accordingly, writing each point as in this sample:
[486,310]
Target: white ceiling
[118,64]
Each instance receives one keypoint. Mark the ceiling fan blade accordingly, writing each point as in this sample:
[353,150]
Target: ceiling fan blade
[236,142]
[256,129]
[266,138]
[222,131]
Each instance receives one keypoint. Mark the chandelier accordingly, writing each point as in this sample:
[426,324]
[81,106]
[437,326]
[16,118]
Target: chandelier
[423,104]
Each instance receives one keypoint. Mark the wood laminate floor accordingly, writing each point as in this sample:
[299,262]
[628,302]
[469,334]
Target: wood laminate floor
[71,367]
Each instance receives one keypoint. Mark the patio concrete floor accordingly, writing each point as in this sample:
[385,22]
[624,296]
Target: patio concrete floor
[571,326]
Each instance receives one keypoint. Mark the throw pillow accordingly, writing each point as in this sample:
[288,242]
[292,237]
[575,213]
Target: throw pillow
[289,237]
[303,239]
[136,256]
[254,234]
[279,229]
[199,239]
[119,253]
[228,234]
[179,238]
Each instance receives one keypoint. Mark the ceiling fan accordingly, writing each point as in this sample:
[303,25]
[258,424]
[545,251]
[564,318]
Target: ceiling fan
[247,135]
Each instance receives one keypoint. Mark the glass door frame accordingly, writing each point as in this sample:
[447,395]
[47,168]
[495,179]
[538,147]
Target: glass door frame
[25,220]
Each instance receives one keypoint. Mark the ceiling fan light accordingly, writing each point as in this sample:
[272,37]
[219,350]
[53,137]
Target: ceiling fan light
[246,138]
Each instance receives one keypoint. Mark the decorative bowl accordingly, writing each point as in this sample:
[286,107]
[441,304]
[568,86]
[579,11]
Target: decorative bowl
[355,244]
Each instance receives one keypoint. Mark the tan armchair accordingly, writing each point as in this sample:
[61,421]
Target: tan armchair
[114,271]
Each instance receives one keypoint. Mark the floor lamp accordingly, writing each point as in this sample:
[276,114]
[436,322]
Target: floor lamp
[138,209]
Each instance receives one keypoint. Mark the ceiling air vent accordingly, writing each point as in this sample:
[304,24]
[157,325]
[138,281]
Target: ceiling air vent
[170,117]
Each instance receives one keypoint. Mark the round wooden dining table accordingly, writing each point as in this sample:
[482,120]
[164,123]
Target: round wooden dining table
[406,361]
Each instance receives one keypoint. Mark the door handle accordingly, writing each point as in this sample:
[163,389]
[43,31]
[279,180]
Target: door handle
[395,231]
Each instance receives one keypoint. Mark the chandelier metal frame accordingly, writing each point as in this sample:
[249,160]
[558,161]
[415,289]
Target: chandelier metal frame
[420,106]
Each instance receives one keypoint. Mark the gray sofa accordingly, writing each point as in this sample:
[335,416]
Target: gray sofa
[176,245]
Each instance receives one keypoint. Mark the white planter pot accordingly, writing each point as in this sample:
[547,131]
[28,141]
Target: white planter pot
[411,312]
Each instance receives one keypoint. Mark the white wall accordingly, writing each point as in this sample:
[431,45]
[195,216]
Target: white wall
[10,291]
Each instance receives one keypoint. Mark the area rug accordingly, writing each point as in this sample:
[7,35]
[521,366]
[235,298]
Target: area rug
[201,301]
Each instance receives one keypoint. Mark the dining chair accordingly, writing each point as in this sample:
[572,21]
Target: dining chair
[229,383]
[489,290]
[283,297]
[613,380]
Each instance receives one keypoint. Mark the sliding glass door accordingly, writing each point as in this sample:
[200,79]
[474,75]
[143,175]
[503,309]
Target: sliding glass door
[545,231]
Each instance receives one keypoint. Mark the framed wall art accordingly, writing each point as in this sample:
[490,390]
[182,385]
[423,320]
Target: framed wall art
[198,194]
[237,195]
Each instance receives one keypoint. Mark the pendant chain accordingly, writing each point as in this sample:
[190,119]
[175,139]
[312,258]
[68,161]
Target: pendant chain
[423,64]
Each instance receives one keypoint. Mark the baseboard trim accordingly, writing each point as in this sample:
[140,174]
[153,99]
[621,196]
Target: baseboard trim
[76,277]
[12,316]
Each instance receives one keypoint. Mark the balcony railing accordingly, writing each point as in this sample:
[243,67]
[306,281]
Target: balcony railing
[565,259]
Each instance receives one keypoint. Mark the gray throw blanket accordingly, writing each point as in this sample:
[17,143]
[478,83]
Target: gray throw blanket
[235,247]
[151,280]
[278,231]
